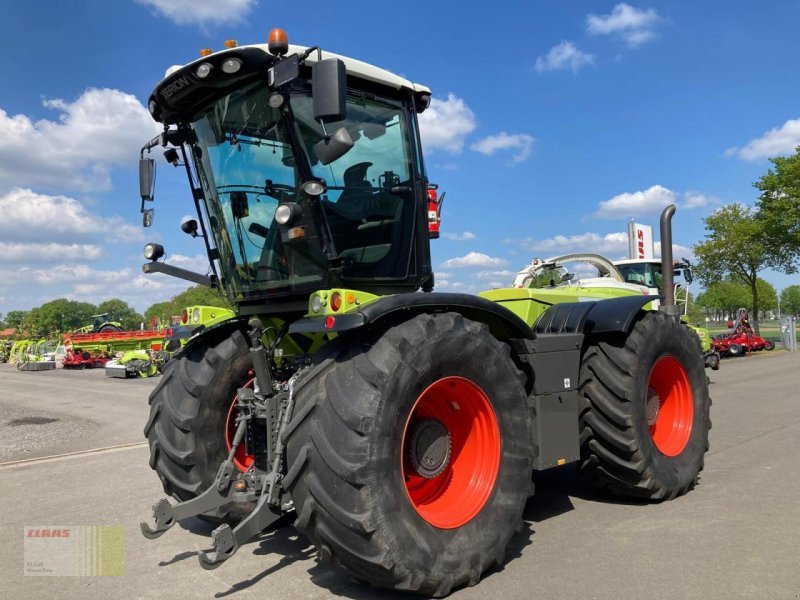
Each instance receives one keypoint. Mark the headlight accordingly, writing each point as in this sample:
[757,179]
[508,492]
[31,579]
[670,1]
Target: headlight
[196,315]
[314,188]
[232,65]
[153,251]
[316,304]
[287,213]
[203,71]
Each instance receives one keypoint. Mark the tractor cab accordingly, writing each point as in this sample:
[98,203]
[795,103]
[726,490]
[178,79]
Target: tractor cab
[306,169]
[649,273]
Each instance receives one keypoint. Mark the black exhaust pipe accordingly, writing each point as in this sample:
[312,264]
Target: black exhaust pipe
[668,305]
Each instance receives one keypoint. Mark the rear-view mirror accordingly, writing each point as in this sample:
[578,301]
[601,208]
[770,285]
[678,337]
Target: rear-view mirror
[147,178]
[329,89]
[239,206]
[328,149]
[147,216]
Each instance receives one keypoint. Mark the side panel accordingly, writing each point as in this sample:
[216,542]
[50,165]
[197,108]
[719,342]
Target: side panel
[503,323]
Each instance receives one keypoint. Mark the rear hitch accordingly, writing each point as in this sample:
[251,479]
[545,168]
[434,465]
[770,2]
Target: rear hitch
[165,515]
[265,489]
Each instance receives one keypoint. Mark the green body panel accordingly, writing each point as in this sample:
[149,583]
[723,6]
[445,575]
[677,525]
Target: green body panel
[529,303]
[703,334]
[208,315]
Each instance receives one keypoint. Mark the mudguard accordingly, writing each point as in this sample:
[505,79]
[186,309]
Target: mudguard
[615,315]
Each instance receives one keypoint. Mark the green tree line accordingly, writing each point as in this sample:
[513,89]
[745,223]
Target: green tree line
[62,315]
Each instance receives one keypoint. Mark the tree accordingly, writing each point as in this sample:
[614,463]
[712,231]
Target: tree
[779,205]
[198,295]
[14,318]
[722,298]
[767,296]
[119,310]
[790,300]
[58,316]
[736,247]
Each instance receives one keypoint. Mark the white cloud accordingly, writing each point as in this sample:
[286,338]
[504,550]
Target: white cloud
[608,244]
[102,128]
[776,142]
[11,252]
[449,285]
[493,274]
[446,124]
[473,259]
[77,274]
[201,12]
[564,56]
[467,236]
[650,202]
[693,199]
[198,262]
[634,25]
[635,204]
[678,251]
[521,143]
[28,216]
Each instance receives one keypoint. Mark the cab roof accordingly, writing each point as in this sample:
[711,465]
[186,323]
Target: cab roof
[355,68]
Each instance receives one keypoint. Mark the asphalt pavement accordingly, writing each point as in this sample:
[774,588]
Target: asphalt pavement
[72,453]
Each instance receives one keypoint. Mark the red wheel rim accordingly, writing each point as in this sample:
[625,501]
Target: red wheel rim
[241,459]
[670,406]
[454,496]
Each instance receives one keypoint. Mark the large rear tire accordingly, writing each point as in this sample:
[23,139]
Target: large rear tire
[189,417]
[410,454]
[645,410]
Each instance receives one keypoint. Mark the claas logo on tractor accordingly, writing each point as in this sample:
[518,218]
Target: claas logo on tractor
[387,422]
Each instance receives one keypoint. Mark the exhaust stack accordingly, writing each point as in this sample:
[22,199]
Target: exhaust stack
[668,305]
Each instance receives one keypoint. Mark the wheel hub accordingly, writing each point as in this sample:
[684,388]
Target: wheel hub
[430,448]
[652,406]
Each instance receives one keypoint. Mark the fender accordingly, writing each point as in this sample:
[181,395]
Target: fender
[221,329]
[502,322]
[615,315]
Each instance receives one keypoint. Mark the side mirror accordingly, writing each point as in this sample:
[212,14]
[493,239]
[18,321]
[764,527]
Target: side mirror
[329,88]
[329,148]
[687,275]
[147,216]
[147,178]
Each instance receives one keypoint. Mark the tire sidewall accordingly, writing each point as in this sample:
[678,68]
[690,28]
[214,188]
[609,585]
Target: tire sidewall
[501,385]
[215,402]
[675,471]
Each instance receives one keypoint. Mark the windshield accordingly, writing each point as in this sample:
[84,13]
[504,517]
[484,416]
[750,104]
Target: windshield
[369,205]
[246,167]
[647,274]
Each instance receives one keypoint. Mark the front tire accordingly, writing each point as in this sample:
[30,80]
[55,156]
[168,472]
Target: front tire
[645,410]
[769,345]
[377,435]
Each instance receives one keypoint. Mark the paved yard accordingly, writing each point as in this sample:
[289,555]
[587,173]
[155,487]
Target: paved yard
[736,535]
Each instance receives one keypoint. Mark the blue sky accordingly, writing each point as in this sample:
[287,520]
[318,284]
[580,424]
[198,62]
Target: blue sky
[554,122]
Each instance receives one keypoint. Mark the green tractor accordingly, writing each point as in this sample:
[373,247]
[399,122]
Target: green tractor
[400,428]
[100,324]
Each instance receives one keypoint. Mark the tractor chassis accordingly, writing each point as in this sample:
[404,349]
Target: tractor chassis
[230,485]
